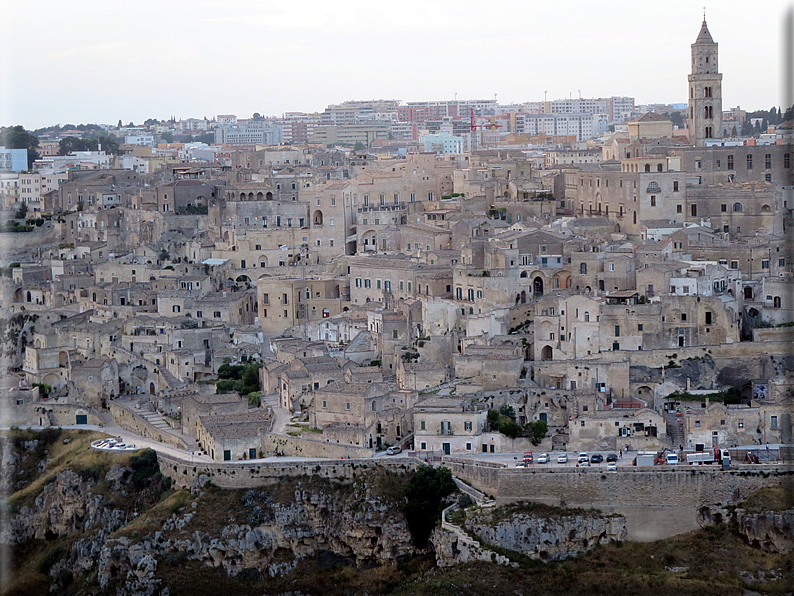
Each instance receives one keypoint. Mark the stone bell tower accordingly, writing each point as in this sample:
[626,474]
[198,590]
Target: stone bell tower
[705,90]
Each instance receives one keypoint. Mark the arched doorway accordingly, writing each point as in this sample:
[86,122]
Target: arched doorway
[317,218]
[748,293]
[537,286]
[545,353]
[152,390]
[523,297]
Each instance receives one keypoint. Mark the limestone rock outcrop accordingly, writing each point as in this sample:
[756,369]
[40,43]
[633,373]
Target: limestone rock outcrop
[544,533]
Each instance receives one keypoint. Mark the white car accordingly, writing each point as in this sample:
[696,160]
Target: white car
[543,458]
[612,467]
[394,450]
[583,457]
[563,459]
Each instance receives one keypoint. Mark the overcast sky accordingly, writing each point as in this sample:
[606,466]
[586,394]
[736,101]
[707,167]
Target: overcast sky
[86,61]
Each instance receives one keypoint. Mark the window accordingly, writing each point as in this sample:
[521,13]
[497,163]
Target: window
[468,425]
[612,266]
[583,268]
[199,314]
[697,423]
[765,264]
[654,188]
[768,161]
[737,207]
[740,423]
[708,317]
[639,326]
[325,403]
[358,282]
[749,162]
[679,208]
[734,264]
[653,201]
[217,314]
[730,162]
[786,160]
[394,334]
[422,425]
[176,308]
[617,330]
[367,283]
[773,423]
[377,284]
[693,210]
[347,405]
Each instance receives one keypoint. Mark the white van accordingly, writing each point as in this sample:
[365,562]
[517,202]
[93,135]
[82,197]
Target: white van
[672,459]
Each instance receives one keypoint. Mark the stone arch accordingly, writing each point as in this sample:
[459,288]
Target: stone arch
[63,359]
[28,297]
[537,286]
[753,313]
[263,261]
[317,218]
[152,389]
[268,196]
[524,274]
[748,292]
[765,209]
[243,278]
[546,353]
[645,393]
[259,196]
[523,297]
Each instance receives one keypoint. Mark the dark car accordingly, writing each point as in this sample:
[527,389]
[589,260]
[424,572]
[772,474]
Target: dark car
[612,457]
[596,458]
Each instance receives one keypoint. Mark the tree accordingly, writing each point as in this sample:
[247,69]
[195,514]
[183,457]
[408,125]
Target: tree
[257,116]
[426,492]
[119,124]
[508,411]
[358,146]
[167,136]
[16,137]
[22,211]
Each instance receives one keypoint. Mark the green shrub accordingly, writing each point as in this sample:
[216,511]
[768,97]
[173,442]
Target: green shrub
[427,489]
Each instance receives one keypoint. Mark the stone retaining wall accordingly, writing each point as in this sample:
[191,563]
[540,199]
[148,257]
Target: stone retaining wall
[657,501]
[306,447]
[253,474]
[129,420]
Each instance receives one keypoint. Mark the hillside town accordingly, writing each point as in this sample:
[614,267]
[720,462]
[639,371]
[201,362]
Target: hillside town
[451,277]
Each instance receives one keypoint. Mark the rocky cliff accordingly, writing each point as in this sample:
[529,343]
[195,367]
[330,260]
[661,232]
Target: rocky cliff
[105,538]
[542,532]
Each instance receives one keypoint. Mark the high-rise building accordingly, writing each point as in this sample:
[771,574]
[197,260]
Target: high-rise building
[705,90]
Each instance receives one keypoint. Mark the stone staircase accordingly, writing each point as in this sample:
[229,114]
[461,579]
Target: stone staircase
[157,421]
[675,431]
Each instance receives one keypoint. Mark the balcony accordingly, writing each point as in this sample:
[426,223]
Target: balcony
[446,431]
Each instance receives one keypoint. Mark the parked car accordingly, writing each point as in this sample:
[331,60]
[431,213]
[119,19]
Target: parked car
[393,450]
[522,464]
[583,457]
[596,458]
[612,457]
[528,457]
[584,464]
[612,467]
[563,459]
[543,458]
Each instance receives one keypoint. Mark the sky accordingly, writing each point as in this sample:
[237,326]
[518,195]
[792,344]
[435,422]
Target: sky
[85,61]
